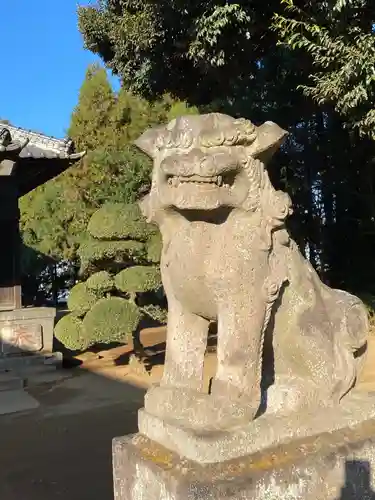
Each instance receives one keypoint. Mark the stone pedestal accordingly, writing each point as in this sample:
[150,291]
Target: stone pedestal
[331,466]
[327,455]
[26,331]
[26,345]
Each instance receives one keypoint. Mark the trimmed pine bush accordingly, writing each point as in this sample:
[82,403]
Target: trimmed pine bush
[81,299]
[100,283]
[119,260]
[117,221]
[96,254]
[70,332]
[111,320]
[154,247]
[138,279]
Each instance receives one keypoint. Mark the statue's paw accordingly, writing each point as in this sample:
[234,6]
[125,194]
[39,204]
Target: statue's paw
[292,394]
[177,403]
[198,410]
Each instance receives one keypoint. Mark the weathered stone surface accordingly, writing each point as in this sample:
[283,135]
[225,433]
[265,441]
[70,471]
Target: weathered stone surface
[211,444]
[336,466]
[34,361]
[19,338]
[27,330]
[287,344]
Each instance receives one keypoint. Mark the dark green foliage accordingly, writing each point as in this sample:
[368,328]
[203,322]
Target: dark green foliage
[119,221]
[97,254]
[111,320]
[81,299]
[179,47]
[122,274]
[105,123]
[54,217]
[156,313]
[100,283]
[70,332]
[36,270]
[228,56]
[339,38]
[138,279]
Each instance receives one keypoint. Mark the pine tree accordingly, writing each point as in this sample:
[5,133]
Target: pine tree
[122,282]
[90,125]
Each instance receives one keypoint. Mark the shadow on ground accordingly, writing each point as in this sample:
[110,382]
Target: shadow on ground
[357,481]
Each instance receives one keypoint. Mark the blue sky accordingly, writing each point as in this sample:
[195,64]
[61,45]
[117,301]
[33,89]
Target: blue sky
[43,63]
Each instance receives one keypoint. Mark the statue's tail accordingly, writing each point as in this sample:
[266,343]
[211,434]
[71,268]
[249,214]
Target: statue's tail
[351,340]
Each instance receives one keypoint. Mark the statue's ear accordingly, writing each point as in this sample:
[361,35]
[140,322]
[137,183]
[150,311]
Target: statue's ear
[148,141]
[269,138]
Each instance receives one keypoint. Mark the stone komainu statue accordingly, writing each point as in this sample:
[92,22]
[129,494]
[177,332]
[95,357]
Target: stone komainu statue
[228,257]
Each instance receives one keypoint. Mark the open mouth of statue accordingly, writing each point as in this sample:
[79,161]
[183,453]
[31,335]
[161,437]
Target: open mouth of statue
[225,181]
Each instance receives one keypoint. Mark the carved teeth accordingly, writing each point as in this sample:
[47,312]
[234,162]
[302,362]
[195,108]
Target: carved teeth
[216,180]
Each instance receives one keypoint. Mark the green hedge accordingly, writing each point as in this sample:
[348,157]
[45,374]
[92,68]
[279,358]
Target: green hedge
[95,253]
[154,247]
[100,283]
[81,299]
[156,313]
[70,332]
[111,320]
[138,279]
[116,221]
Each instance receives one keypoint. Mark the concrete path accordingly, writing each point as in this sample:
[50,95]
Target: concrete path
[62,449]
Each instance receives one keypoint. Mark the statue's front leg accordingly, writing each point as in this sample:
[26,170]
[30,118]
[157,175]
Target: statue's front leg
[186,345]
[179,392]
[241,329]
[239,354]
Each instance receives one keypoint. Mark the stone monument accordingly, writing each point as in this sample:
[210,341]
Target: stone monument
[27,160]
[283,415]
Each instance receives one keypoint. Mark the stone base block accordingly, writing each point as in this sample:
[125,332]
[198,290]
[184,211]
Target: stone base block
[32,363]
[215,444]
[330,466]
[26,330]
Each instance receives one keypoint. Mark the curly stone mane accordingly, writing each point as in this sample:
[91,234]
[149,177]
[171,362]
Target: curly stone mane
[179,135]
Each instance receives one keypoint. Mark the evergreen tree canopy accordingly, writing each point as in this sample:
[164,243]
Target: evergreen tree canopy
[54,216]
[202,51]
[241,58]
[339,37]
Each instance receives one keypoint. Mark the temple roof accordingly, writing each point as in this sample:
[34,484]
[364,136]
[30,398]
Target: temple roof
[34,158]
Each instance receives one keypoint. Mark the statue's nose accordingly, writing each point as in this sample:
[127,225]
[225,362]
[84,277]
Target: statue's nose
[206,167]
